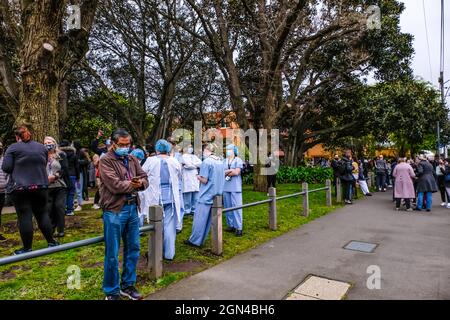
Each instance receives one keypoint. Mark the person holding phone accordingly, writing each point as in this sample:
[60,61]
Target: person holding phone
[122,178]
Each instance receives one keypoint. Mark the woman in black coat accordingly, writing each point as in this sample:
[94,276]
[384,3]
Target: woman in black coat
[426,184]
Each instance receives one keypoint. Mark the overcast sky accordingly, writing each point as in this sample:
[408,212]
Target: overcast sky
[412,21]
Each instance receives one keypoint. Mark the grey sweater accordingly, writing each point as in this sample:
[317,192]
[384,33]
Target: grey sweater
[26,163]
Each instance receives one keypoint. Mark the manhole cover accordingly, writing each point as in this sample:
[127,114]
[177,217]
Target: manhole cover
[361,246]
[318,288]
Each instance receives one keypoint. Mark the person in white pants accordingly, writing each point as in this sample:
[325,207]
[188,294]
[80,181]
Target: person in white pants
[362,180]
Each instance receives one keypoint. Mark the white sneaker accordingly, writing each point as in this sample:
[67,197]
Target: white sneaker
[79,208]
[95,207]
[448,205]
[443,204]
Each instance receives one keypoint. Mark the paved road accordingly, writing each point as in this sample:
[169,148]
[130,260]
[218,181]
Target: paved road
[413,254]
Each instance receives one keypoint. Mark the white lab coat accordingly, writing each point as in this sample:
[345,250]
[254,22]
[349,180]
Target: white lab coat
[152,195]
[190,163]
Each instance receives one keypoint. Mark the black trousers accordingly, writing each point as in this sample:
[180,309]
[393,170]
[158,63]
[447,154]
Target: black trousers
[398,202]
[29,204]
[442,190]
[347,189]
[56,208]
[2,204]
[97,197]
[271,181]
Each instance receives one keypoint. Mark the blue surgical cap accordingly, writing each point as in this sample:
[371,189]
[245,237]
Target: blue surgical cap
[163,146]
[138,153]
[233,147]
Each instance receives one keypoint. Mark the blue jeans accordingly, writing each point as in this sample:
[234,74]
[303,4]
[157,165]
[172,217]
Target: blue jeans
[123,225]
[79,190]
[429,199]
[70,194]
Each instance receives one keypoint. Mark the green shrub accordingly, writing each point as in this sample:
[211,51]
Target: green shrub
[298,174]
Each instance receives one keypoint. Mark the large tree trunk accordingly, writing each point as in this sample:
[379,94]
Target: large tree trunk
[39,92]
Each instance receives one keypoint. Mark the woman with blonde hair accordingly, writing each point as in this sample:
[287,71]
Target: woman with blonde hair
[57,188]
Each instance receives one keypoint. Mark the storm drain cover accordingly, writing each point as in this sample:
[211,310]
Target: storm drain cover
[318,288]
[361,246]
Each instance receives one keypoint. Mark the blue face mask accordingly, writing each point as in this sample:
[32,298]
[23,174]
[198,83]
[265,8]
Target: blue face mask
[50,147]
[230,153]
[122,152]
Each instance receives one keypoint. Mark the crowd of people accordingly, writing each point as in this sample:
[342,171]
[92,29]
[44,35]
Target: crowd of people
[49,181]
[413,180]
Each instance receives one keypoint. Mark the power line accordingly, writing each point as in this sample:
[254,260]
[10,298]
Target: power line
[428,42]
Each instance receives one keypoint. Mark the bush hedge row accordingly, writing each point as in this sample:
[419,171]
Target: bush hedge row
[297,175]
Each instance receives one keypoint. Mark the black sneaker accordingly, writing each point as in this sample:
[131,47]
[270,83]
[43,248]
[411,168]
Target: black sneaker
[53,244]
[2,238]
[238,233]
[20,251]
[113,297]
[178,231]
[59,235]
[131,293]
[230,229]
[369,194]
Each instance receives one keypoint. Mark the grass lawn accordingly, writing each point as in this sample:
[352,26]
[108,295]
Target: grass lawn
[46,277]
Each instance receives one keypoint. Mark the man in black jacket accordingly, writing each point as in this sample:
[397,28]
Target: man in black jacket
[74,174]
[346,176]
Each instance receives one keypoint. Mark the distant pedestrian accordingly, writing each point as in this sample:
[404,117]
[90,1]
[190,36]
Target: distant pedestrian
[3,182]
[426,184]
[346,176]
[74,176]
[25,161]
[57,188]
[381,170]
[404,187]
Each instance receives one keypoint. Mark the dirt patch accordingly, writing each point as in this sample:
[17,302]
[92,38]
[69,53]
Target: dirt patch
[74,222]
[7,276]
[10,227]
[94,265]
[183,266]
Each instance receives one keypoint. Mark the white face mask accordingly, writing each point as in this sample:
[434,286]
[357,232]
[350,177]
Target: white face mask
[190,150]
[206,153]
[230,153]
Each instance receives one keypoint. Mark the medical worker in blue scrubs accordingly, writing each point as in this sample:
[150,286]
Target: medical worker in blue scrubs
[232,190]
[211,179]
[178,156]
[163,175]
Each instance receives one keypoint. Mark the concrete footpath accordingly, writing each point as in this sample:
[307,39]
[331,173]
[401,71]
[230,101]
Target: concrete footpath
[413,255]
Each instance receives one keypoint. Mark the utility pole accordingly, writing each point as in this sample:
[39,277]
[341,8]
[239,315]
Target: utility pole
[441,78]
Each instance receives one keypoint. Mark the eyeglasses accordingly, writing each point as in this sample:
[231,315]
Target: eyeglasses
[120,145]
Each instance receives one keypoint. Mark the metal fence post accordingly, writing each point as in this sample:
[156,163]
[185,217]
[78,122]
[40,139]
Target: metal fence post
[273,209]
[216,226]
[155,243]
[338,190]
[369,180]
[305,199]
[328,192]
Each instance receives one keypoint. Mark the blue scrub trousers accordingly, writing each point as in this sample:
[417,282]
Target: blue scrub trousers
[123,225]
[169,232]
[234,218]
[179,224]
[201,224]
[190,200]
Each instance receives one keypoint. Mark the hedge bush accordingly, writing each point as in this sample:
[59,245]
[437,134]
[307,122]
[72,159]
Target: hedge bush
[297,175]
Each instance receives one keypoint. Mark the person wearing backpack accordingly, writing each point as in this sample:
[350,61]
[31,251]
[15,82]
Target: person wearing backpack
[346,176]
